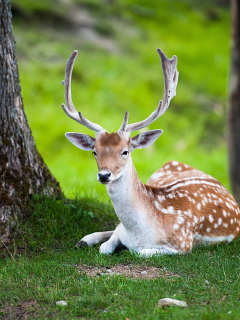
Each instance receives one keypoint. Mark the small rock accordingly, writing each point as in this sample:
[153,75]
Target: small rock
[168,302]
[61,303]
[109,270]
[144,272]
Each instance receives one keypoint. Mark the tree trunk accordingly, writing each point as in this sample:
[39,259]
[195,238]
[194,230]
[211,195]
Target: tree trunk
[234,107]
[22,169]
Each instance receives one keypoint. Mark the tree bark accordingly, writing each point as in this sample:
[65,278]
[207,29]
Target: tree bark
[23,172]
[234,103]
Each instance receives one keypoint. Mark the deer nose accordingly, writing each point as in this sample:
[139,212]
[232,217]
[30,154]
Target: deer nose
[104,177]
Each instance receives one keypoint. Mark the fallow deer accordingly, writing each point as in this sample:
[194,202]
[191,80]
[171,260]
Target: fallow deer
[178,207]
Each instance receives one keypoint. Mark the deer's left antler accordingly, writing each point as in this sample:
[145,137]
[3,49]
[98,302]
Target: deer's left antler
[170,74]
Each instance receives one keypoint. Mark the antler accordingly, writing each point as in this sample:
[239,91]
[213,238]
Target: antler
[170,75]
[69,109]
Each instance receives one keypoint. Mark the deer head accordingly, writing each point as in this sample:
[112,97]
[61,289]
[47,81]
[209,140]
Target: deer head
[113,151]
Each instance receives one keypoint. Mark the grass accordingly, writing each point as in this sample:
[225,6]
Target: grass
[44,269]
[117,70]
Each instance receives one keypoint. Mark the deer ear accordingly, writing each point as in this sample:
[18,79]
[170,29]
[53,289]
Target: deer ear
[81,140]
[144,139]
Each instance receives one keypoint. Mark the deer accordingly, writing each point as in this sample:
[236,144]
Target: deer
[179,206]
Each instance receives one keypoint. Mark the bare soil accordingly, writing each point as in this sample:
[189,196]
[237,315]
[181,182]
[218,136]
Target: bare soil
[130,271]
[24,310]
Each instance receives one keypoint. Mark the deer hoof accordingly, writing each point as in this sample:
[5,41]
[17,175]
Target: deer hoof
[81,244]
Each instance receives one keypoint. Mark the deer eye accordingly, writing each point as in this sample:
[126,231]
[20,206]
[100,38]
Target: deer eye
[94,153]
[125,153]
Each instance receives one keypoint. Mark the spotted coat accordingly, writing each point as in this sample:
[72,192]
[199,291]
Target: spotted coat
[196,207]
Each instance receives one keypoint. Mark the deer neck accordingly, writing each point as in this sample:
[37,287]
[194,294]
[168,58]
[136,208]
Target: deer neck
[128,195]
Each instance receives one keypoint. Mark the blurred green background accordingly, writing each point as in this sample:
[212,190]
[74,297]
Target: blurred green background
[118,69]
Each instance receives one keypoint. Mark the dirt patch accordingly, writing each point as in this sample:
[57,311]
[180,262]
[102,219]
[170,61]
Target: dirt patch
[23,310]
[130,271]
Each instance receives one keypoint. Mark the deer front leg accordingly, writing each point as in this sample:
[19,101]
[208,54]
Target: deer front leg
[94,238]
[110,245]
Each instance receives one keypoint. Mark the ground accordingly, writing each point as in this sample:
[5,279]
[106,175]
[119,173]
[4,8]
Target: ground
[136,272]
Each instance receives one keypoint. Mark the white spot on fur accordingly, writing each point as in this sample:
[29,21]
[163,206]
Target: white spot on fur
[157,205]
[157,175]
[195,219]
[188,213]
[180,220]
[182,244]
[228,205]
[164,210]
[171,209]
[224,213]
[161,198]
[211,219]
[175,226]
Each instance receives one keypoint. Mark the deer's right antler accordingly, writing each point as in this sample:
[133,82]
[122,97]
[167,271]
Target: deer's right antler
[69,108]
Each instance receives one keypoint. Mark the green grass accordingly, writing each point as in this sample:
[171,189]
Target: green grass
[44,268]
[126,75]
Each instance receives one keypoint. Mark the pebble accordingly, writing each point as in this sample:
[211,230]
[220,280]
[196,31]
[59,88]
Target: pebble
[168,302]
[109,270]
[61,303]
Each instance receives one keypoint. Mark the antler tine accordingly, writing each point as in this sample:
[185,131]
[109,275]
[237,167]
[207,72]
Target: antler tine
[125,122]
[69,109]
[170,74]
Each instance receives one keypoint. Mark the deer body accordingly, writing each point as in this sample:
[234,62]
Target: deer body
[178,207]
